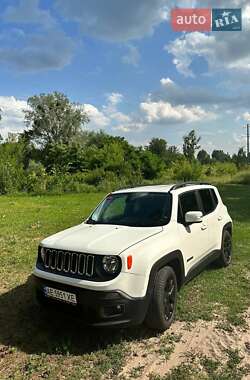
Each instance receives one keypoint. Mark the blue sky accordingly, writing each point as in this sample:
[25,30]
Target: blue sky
[133,74]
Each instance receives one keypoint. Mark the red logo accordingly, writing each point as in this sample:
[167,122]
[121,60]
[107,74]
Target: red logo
[191,19]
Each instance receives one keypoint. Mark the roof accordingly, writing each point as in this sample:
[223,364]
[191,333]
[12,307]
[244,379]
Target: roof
[164,188]
[154,188]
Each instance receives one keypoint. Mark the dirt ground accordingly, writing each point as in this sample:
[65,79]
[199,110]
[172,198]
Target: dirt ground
[184,341]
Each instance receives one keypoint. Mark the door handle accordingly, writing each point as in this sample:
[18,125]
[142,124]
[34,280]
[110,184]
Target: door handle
[203,227]
[219,218]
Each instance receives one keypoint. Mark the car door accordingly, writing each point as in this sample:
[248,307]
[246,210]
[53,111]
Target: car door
[210,218]
[194,237]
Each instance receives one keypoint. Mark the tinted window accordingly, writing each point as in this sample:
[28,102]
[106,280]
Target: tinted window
[139,209]
[187,202]
[180,218]
[207,201]
[116,209]
[214,196]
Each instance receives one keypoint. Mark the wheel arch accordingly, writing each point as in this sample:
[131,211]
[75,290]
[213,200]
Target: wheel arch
[228,227]
[173,259]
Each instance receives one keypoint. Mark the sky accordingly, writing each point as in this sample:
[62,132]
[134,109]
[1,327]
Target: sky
[134,75]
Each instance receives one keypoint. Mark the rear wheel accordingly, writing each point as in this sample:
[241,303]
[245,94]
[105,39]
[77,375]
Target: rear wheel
[226,250]
[162,306]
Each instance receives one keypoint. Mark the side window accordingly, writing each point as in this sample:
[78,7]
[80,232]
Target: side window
[207,201]
[187,202]
[214,196]
[180,218]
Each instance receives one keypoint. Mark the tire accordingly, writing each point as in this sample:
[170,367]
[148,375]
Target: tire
[162,307]
[226,250]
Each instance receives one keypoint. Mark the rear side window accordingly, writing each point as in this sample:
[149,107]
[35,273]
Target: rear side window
[207,201]
[214,196]
[187,202]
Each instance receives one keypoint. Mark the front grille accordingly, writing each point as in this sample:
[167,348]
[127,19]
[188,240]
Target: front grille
[68,263]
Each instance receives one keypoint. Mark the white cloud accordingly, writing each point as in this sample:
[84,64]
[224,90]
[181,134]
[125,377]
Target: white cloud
[166,82]
[120,117]
[110,109]
[97,118]
[160,112]
[149,113]
[133,126]
[12,114]
[109,115]
[114,98]
[246,116]
[189,45]
[132,57]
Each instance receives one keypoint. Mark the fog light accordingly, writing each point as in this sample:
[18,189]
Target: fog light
[114,310]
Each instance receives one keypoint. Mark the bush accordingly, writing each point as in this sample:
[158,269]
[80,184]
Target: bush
[242,178]
[219,169]
[11,177]
[113,182]
[94,177]
[187,171]
[68,183]
[36,178]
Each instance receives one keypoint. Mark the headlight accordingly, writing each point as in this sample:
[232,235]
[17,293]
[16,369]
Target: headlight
[111,264]
[42,252]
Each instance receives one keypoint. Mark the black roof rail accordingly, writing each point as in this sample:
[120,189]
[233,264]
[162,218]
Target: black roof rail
[184,184]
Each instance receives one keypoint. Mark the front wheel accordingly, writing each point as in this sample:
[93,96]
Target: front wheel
[162,306]
[226,250]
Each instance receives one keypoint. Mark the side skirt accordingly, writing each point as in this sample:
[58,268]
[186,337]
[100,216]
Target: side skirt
[203,263]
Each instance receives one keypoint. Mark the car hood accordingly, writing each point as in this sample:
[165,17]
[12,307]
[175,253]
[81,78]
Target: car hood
[99,238]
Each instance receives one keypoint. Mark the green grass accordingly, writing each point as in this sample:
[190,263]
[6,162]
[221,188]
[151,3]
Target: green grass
[34,345]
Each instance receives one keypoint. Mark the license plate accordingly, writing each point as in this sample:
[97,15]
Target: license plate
[60,295]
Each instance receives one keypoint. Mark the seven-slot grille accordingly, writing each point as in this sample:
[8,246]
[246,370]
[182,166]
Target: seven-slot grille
[68,262]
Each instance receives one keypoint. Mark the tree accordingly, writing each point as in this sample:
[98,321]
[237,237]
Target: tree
[151,165]
[187,171]
[220,156]
[172,155]
[190,145]
[158,147]
[203,157]
[240,159]
[1,137]
[52,119]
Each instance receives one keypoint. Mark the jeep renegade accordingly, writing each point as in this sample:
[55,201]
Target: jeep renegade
[126,262]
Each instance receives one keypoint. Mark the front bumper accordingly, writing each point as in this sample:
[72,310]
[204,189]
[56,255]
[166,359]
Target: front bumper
[95,308]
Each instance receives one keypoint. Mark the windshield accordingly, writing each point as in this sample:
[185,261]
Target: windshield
[142,209]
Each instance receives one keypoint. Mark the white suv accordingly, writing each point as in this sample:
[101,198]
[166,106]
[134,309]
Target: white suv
[126,262]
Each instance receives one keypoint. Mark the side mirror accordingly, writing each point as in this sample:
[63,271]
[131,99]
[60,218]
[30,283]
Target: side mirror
[193,217]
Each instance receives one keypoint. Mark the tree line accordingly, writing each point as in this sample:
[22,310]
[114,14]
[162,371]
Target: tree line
[57,153]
